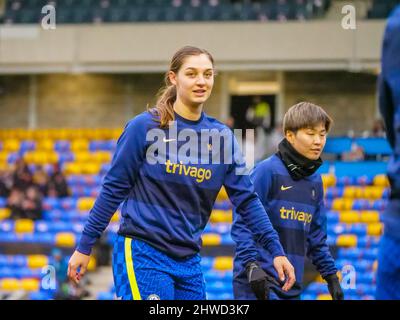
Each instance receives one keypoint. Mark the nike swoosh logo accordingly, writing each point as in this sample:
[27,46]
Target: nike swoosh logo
[286,188]
[168,140]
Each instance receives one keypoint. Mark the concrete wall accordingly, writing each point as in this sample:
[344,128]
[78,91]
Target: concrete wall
[349,98]
[236,46]
[84,100]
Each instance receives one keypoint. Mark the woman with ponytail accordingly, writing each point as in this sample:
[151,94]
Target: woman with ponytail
[167,204]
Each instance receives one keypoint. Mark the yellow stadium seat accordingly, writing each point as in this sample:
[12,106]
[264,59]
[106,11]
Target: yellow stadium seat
[374,229]
[71,168]
[339,204]
[102,156]
[91,168]
[82,156]
[223,263]
[328,180]
[80,145]
[115,133]
[92,264]
[65,239]
[45,145]
[37,261]
[373,192]
[349,192]
[5,213]
[324,297]
[349,217]
[381,180]
[10,284]
[319,279]
[24,226]
[222,195]
[11,145]
[30,284]
[3,156]
[85,203]
[221,216]
[346,240]
[369,216]
[211,239]
[115,217]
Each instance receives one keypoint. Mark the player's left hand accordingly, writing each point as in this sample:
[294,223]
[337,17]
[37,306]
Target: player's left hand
[334,287]
[285,272]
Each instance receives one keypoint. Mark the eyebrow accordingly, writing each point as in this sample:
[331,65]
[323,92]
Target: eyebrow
[192,68]
[314,129]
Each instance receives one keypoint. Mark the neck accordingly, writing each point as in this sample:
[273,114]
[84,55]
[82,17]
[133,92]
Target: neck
[192,113]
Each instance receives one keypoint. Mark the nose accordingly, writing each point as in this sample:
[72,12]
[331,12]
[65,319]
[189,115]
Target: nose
[318,140]
[200,80]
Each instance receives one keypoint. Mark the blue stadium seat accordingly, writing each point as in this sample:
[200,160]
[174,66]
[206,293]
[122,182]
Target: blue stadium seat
[361,168]
[374,146]
[338,145]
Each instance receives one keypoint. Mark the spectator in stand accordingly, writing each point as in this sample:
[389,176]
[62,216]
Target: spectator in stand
[14,203]
[355,154]
[5,183]
[22,176]
[41,180]
[57,186]
[32,203]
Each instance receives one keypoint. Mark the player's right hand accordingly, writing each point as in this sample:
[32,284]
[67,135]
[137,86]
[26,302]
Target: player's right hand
[77,261]
[285,271]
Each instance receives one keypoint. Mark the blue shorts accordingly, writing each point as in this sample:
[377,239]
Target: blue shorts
[143,272]
[388,275]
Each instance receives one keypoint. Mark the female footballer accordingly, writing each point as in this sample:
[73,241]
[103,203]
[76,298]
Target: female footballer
[167,204]
[292,193]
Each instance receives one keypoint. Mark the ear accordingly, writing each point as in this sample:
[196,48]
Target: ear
[290,136]
[172,77]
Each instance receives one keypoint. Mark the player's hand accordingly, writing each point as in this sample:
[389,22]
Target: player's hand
[77,261]
[334,287]
[258,280]
[285,272]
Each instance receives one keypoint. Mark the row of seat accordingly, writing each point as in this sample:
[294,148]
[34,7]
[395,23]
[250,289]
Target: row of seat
[357,192]
[156,11]
[381,9]
[371,146]
[341,204]
[61,134]
[76,145]
[334,145]
[353,216]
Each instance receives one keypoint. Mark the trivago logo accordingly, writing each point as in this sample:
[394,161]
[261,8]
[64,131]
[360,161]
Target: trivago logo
[292,214]
[199,173]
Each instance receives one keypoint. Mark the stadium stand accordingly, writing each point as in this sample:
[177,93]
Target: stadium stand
[113,11]
[356,193]
[381,9]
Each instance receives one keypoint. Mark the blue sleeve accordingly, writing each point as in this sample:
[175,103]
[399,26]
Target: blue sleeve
[241,192]
[246,249]
[127,159]
[386,108]
[318,250]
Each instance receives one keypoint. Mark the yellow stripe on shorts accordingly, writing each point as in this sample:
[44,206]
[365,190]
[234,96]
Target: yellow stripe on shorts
[131,272]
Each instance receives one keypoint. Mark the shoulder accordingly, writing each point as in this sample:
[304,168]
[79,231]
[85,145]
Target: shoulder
[142,121]
[214,123]
[266,167]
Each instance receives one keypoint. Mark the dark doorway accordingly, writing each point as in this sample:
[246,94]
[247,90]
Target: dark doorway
[240,105]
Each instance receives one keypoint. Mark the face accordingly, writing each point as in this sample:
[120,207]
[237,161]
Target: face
[309,142]
[194,80]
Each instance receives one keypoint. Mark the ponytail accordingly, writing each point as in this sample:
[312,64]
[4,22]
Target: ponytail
[164,109]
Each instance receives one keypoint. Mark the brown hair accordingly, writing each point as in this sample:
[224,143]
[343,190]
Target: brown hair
[305,115]
[167,94]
